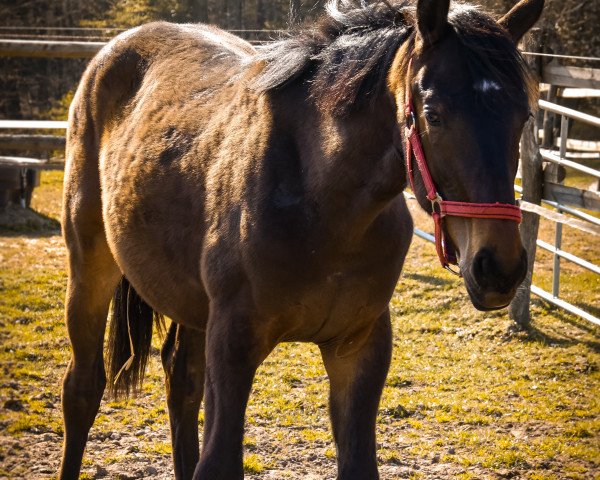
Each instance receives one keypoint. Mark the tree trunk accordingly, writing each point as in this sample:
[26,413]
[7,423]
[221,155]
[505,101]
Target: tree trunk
[200,11]
[192,11]
[260,14]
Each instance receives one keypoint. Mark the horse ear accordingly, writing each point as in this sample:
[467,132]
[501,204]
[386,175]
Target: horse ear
[521,18]
[432,19]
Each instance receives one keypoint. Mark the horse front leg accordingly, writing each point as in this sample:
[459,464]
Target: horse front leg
[356,382]
[234,350]
[183,361]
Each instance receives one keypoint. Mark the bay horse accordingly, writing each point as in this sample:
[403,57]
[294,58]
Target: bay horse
[255,197]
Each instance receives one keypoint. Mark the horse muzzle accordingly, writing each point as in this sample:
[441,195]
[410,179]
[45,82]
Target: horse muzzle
[492,282]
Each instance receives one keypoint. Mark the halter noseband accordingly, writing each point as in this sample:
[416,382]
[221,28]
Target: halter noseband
[440,207]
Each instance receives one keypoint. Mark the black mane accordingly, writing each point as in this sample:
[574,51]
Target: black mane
[346,56]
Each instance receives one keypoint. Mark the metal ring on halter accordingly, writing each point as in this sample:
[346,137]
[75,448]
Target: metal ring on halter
[411,119]
[451,270]
[437,201]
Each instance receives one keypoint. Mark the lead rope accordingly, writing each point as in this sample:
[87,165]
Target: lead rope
[129,362]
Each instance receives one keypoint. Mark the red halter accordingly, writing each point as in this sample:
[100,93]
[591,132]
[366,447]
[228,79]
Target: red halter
[439,207]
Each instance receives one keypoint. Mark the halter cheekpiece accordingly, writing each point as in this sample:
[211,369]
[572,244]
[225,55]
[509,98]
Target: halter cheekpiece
[441,208]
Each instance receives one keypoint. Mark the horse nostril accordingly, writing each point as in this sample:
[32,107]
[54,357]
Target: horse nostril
[489,274]
[484,268]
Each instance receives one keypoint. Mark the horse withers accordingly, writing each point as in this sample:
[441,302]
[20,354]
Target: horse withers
[255,197]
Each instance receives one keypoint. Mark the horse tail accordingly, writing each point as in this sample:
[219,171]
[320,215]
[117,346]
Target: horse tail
[130,340]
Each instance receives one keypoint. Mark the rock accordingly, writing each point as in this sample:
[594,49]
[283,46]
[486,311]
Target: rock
[150,471]
[451,451]
[115,436]
[435,458]
[14,404]
[129,475]
[506,473]
[100,472]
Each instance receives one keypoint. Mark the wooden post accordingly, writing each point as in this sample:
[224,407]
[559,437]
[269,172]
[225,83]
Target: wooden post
[548,126]
[533,181]
[532,177]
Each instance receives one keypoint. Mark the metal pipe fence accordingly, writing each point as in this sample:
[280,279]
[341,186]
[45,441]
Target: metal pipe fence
[557,252]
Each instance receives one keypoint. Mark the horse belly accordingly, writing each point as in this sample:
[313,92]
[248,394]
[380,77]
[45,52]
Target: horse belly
[338,305]
[154,228]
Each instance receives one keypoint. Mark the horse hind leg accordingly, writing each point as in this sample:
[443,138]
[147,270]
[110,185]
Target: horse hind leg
[93,276]
[184,363]
[109,82]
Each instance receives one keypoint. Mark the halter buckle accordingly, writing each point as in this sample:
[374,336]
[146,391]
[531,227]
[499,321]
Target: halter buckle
[437,200]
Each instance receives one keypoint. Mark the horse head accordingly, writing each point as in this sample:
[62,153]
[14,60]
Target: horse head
[463,85]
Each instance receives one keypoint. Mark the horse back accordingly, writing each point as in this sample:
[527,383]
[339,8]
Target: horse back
[138,150]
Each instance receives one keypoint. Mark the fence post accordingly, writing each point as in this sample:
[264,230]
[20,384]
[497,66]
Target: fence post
[532,177]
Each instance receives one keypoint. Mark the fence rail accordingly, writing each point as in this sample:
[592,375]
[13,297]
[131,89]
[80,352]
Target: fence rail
[33,124]
[48,48]
[561,198]
[65,48]
[34,142]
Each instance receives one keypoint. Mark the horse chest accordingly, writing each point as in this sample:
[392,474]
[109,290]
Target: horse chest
[317,280]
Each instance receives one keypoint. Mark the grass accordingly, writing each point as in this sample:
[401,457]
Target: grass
[467,397]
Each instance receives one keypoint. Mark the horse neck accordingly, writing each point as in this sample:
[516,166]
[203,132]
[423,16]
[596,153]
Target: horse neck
[353,165]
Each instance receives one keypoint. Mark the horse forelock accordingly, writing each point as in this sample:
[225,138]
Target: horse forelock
[493,61]
[345,57]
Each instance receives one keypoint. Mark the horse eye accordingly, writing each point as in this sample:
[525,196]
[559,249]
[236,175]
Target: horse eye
[432,118]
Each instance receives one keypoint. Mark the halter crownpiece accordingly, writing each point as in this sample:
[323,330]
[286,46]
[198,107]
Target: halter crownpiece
[441,208]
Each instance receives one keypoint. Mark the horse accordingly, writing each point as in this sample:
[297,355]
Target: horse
[255,196]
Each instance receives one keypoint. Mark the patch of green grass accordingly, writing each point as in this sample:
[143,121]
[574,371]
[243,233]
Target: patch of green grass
[158,448]
[584,429]
[34,422]
[312,436]
[390,456]
[253,464]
